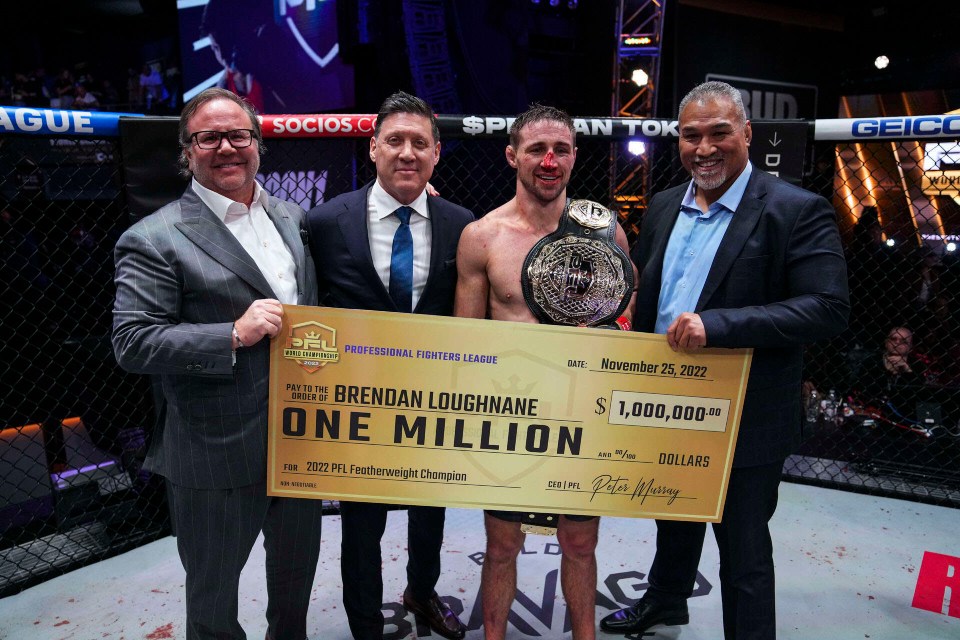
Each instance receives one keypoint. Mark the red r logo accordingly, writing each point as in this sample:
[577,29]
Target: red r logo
[937,574]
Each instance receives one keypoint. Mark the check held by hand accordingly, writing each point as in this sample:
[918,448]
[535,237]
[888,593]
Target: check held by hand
[262,318]
[686,333]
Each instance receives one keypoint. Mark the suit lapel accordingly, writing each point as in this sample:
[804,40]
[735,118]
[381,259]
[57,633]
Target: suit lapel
[661,235]
[291,237]
[439,224]
[663,219]
[202,227]
[741,226]
[352,222]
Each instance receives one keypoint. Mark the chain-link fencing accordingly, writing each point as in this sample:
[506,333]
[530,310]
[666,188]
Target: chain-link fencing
[75,427]
[883,398]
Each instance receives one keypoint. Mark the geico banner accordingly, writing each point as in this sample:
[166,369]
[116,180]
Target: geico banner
[892,128]
[55,121]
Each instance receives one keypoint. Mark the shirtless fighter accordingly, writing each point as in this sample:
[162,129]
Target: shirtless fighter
[498,266]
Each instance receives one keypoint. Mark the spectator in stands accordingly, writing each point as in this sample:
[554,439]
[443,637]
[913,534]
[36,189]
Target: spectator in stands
[133,89]
[151,87]
[19,90]
[109,97]
[85,100]
[171,83]
[33,91]
[64,91]
[895,374]
[45,83]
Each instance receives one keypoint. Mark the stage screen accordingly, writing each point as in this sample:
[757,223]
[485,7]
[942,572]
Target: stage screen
[282,55]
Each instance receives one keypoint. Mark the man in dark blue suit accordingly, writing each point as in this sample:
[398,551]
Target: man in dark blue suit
[736,258]
[388,247]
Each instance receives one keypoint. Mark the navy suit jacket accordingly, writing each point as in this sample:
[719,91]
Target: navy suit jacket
[346,276]
[778,281]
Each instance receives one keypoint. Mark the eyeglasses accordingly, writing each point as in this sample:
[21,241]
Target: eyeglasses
[238,138]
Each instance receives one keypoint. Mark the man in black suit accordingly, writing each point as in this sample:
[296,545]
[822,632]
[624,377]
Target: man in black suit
[736,258]
[388,247]
[199,290]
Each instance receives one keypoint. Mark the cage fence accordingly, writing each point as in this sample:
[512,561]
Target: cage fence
[74,427]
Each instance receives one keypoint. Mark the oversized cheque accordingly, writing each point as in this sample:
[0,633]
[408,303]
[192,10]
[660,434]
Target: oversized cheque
[412,409]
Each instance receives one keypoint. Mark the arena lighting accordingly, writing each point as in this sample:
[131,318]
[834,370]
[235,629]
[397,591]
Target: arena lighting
[951,246]
[554,3]
[891,242]
[572,4]
[881,62]
[639,77]
[637,147]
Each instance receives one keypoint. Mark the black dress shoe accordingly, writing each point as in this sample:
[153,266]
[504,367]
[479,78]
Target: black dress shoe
[643,615]
[441,619]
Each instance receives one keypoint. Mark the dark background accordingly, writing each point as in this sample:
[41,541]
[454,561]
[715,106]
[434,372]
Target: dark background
[507,53]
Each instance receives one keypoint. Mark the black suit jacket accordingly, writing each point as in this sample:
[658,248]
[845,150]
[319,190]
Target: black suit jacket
[346,275]
[779,280]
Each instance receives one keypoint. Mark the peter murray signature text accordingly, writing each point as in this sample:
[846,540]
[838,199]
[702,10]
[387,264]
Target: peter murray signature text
[643,489]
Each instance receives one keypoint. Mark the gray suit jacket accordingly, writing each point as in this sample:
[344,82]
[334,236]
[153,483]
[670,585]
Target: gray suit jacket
[182,280]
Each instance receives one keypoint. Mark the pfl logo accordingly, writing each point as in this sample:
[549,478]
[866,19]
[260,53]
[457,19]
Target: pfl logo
[312,345]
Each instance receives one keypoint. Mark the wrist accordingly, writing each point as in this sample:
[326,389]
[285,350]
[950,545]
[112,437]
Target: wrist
[236,336]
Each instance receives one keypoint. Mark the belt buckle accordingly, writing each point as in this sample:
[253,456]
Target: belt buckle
[538,530]
[540,524]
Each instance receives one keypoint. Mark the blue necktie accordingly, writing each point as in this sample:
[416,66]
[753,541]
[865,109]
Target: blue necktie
[401,262]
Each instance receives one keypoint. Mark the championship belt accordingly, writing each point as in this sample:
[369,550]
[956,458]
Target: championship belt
[578,275]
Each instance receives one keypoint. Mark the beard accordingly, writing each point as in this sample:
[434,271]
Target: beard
[543,195]
[712,180]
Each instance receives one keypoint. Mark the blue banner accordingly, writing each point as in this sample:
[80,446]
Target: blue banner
[57,121]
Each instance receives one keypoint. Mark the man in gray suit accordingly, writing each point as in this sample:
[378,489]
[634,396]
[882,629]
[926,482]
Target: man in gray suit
[200,285]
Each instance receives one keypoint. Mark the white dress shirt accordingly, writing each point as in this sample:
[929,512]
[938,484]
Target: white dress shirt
[382,225]
[258,236]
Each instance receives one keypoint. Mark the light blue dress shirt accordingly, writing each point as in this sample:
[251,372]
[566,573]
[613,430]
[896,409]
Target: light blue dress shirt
[692,247]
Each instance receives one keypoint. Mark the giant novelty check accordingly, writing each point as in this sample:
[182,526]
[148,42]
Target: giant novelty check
[423,410]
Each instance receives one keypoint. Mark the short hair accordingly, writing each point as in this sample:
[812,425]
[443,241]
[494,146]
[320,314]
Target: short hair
[191,108]
[403,102]
[901,329]
[538,113]
[715,89]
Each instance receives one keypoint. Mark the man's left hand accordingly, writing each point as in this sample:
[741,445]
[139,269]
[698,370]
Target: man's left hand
[686,333]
